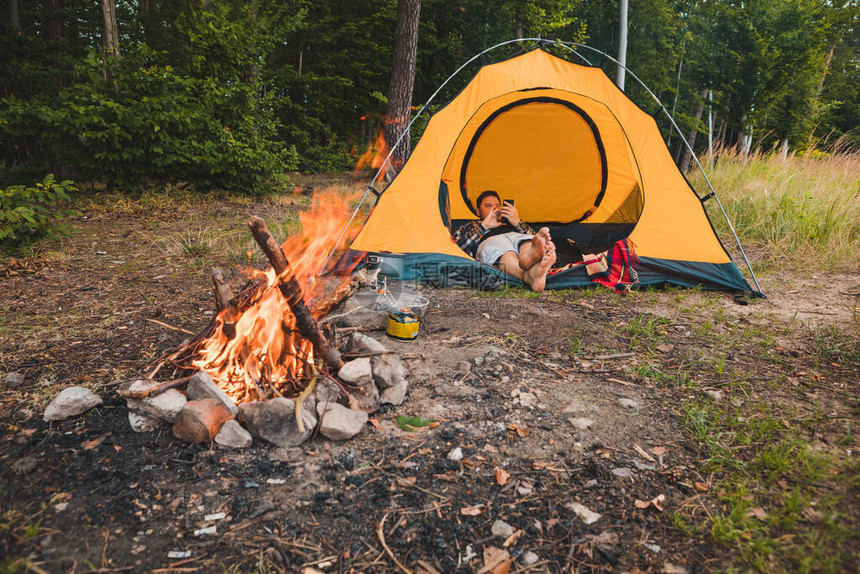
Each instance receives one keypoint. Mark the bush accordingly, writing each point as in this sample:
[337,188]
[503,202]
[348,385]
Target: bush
[149,122]
[29,213]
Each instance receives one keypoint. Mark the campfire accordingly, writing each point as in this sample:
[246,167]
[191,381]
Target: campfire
[266,341]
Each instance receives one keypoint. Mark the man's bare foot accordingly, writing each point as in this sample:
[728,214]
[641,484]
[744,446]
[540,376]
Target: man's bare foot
[535,276]
[533,251]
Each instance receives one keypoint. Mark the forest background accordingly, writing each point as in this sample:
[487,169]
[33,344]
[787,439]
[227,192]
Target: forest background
[236,94]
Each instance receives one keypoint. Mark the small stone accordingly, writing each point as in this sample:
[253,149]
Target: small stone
[24,465]
[584,513]
[629,403]
[387,370]
[164,406]
[715,396]
[455,454]
[529,558]
[365,343]
[652,547]
[70,402]
[199,421]
[233,435]
[356,372]
[502,529]
[665,347]
[478,361]
[581,423]
[463,367]
[338,422]
[14,380]
[143,423]
[574,407]
[275,421]
[621,472]
[394,395]
[203,386]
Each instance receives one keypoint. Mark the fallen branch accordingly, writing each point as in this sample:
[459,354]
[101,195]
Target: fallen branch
[155,390]
[165,325]
[381,535]
[613,356]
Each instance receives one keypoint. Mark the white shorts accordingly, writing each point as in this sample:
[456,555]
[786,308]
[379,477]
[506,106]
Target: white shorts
[492,249]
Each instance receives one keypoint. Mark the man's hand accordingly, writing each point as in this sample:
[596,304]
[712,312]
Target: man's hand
[492,220]
[509,212]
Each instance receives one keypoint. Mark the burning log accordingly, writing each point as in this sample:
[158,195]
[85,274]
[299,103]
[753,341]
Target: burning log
[223,291]
[292,292]
[225,300]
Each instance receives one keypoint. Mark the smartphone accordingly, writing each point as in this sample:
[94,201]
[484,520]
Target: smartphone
[507,202]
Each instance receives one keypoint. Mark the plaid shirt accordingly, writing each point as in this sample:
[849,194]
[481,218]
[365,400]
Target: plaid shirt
[469,236]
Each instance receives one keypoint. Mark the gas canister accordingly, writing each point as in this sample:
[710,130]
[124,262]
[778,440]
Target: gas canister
[402,325]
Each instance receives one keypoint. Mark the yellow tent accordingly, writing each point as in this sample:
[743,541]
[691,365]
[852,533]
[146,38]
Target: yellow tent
[573,152]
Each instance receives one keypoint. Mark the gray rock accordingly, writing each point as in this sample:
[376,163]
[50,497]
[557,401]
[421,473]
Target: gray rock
[394,395]
[25,465]
[368,398]
[529,558]
[574,406]
[388,370]
[14,380]
[501,529]
[629,403]
[275,421]
[581,423]
[203,386]
[715,396]
[232,435]
[621,472]
[356,372]
[340,423]
[359,342]
[463,367]
[164,406]
[325,392]
[143,423]
[70,402]
[455,454]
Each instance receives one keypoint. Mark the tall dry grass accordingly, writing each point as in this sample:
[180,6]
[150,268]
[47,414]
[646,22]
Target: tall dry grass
[800,211]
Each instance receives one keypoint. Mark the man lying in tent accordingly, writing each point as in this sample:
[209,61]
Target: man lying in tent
[500,238]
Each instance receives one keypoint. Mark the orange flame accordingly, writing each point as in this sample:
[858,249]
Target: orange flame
[267,354]
[375,154]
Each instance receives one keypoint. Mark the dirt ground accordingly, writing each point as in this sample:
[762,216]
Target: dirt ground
[510,379]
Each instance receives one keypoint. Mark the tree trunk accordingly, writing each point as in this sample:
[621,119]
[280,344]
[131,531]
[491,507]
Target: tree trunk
[110,35]
[53,22]
[687,155]
[402,79]
[622,44]
[14,17]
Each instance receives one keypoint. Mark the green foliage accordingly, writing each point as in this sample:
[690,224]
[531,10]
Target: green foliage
[29,213]
[412,423]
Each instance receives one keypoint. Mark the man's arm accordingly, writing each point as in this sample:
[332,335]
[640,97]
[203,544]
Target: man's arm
[469,236]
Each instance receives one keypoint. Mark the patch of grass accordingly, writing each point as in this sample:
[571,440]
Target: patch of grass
[801,210]
[646,330]
[508,292]
[768,490]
